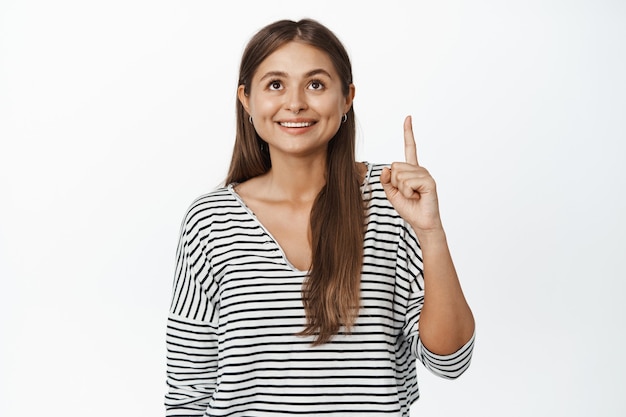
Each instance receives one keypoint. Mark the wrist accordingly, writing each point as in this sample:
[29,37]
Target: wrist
[430,235]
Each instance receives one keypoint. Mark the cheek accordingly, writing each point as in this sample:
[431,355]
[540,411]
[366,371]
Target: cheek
[332,108]
[261,106]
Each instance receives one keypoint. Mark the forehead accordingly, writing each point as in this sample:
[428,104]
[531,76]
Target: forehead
[296,58]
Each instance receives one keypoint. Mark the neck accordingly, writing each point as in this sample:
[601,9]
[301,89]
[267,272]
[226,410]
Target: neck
[297,180]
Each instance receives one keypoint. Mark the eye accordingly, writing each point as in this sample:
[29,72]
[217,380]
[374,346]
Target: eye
[316,85]
[275,85]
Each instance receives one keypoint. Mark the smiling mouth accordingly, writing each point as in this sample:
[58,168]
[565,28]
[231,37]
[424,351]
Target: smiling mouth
[296,124]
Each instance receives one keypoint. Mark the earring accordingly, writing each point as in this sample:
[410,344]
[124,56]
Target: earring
[250,120]
[344,118]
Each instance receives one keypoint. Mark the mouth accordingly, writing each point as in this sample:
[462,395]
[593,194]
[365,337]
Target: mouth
[296,124]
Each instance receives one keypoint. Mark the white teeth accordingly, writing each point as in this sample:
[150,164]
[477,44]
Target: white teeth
[298,124]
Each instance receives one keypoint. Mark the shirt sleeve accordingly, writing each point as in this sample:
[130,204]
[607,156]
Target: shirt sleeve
[191,338]
[410,262]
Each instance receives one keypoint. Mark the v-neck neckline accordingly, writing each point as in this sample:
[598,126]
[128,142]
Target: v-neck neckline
[233,192]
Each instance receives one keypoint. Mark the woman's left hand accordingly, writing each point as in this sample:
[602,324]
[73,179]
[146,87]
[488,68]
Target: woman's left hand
[410,188]
[446,322]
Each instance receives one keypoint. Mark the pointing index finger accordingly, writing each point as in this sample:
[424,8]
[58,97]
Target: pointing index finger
[410,149]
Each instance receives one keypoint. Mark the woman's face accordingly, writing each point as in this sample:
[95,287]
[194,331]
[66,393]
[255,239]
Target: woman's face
[296,100]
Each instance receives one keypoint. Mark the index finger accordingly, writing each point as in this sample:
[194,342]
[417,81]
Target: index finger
[410,149]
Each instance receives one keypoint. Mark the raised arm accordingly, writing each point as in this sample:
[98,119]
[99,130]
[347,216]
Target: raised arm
[446,322]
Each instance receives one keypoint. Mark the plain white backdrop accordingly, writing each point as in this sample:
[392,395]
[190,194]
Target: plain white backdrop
[115,115]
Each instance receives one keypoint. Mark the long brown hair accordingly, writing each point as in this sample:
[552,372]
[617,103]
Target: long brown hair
[331,292]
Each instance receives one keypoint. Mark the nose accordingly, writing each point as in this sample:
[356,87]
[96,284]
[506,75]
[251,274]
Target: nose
[296,101]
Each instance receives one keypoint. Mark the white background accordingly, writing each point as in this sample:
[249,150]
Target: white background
[115,115]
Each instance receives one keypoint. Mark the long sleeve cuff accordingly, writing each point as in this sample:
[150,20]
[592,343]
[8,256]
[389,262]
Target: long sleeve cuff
[447,366]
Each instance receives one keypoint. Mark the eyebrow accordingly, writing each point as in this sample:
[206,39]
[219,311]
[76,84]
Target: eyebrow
[283,74]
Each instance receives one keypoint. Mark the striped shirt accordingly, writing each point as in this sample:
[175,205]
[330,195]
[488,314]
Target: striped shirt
[232,348]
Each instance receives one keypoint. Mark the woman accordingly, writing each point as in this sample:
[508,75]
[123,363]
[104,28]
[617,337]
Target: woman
[300,285]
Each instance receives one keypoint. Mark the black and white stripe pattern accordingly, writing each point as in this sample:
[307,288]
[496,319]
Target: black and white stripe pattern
[236,307]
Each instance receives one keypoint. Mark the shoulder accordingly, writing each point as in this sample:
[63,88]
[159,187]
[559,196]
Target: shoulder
[216,199]
[208,206]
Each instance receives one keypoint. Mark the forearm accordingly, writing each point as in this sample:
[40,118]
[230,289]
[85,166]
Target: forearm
[446,321]
[191,366]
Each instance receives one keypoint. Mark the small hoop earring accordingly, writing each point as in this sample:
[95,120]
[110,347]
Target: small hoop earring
[344,118]
[250,120]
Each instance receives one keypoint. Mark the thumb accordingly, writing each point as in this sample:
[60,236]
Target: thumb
[385,176]
[385,180]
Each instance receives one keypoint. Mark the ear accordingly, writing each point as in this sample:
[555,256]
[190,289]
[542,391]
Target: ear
[349,98]
[243,98]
